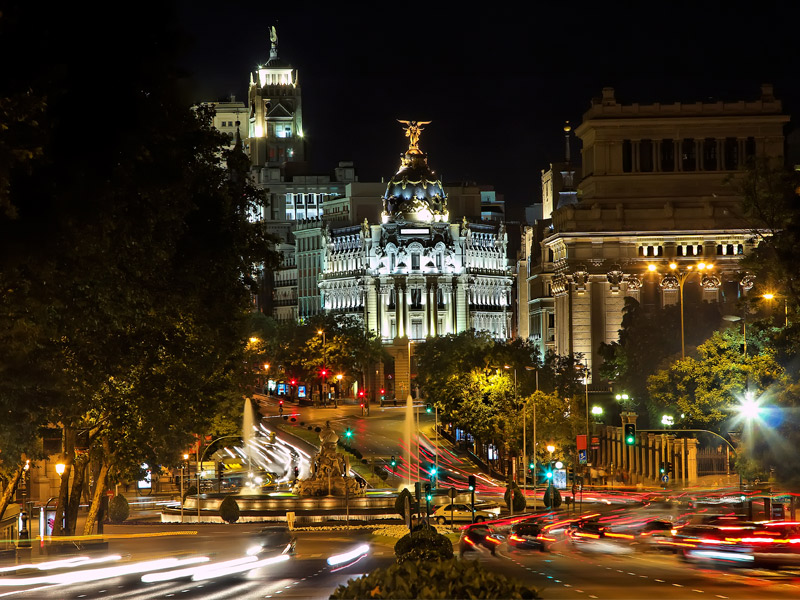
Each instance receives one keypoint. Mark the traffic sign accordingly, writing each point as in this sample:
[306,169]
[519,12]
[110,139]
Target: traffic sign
[664,478]
[582,456]
[452,493]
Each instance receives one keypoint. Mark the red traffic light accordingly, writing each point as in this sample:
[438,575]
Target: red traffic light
[281,402]
[293,382]
[361,393]
[362,405]
[383,391]
[323,372]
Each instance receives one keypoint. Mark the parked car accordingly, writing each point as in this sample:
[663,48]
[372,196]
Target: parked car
[461,513]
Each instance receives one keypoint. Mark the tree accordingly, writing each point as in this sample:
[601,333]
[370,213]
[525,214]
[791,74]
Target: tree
[707,389]
[129,263]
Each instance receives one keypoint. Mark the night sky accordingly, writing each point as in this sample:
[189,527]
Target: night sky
[497,84]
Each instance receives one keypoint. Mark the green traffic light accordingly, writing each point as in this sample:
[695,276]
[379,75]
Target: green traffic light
[348,433]
[428,408]
[549,475]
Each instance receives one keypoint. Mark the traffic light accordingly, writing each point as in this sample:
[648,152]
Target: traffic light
[428,494]
[280,402]
[662,469]
[428,408]
[630,434]
[471,483]
[323,373]
[432,472]
[548,474]
[360,393]
[383,394]
[348,433]
[393,462]
[669,468]
[293,382]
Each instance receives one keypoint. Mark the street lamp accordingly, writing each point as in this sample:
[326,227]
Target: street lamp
[770,296]
[622,397]
[597,411]
[60,468]
[524,438]
[680,276]
[183,473]
[667,421]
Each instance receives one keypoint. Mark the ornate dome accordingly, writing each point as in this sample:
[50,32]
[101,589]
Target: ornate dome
[414,193]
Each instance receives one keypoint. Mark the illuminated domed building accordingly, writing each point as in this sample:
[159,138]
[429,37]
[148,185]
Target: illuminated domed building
[416,274]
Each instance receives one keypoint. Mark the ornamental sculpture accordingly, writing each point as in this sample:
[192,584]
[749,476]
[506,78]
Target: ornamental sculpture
[747,281]
[412,133]
[580,277]
[634,283]
[615,277]
[710,282]
[670,282]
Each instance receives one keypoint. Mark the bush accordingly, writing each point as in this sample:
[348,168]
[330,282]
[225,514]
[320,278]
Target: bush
[229,510]
[118,509]
[293,419]
[556,498]
[192,491]
[425,544]
[439,579]
[519,498]
[400,502]
[317,429]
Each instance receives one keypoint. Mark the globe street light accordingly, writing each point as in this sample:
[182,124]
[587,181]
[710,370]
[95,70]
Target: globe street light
[60,468]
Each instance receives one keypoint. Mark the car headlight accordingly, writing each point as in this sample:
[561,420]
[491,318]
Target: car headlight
[253,550]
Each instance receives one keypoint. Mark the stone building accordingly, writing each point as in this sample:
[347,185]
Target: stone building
[416,274]
[654,191]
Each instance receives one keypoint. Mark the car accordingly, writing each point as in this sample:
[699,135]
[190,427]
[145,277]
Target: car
[272,541]
[477,536]
[655,535]
[527,535]
[461,513]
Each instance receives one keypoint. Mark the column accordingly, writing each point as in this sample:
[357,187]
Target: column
[398,308]
[384,310]
[372,309]
[407,309]
[691,458]
[435,311]
[634,156]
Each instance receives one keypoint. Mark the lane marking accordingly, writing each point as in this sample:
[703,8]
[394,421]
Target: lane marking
[659,580]
[677,585]
[699,591]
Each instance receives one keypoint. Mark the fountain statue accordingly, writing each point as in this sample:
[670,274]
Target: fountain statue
[329,476]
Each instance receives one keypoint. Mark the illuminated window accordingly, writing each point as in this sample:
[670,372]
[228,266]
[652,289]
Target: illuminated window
[415,261]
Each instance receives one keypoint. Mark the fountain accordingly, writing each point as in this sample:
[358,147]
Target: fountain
[329,476]
[248,429]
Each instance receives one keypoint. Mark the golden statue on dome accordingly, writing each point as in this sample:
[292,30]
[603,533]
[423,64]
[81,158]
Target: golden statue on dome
[412,133]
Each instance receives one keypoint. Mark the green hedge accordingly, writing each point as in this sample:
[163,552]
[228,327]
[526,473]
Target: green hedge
[118,509]
[433,579]
[426,544]
[519,498]
[229,510]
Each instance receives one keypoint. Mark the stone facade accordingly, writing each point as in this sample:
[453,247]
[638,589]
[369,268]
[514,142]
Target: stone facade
[654,191]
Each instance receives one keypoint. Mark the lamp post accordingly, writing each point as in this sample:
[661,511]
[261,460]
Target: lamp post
[550,449]
[681,276]
[524,438]
[183,472]
[508,368]
[770,296]
[586,392]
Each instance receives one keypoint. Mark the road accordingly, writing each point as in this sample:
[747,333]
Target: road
[566,575]
[305,575]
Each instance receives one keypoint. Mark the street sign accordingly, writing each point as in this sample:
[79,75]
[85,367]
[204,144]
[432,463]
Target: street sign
[452,493]
[595,443]
[664,478]
[582,456]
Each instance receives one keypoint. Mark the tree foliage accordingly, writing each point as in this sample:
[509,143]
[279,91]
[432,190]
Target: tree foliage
[127,251]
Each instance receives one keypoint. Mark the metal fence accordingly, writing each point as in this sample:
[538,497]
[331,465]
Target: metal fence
[712,461]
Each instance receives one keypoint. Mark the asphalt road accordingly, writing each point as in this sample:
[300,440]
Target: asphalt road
[305,575]
[564,574]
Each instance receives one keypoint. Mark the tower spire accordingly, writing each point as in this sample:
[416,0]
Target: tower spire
[567,129]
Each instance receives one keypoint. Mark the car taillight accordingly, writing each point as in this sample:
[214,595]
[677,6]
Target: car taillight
[515,538]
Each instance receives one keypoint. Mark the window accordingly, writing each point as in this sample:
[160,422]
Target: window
[750,147]
[688,155]
[415,261]
[416,329]
[667,155]
[646,156]
[710,154]
[627,162]
[731,154]
[391,262]
[439,261]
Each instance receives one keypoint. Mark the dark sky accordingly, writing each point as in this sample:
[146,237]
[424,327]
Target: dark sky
[497,84]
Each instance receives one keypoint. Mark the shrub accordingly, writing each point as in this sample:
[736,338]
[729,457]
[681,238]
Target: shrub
[118,509]
[310,428]
[519,498]
[293,419]
[425,544]
[383,475]
[400,502]
[556,498]
[438,579]
[317,429]
[192,491]
[364,461]
[229,510]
